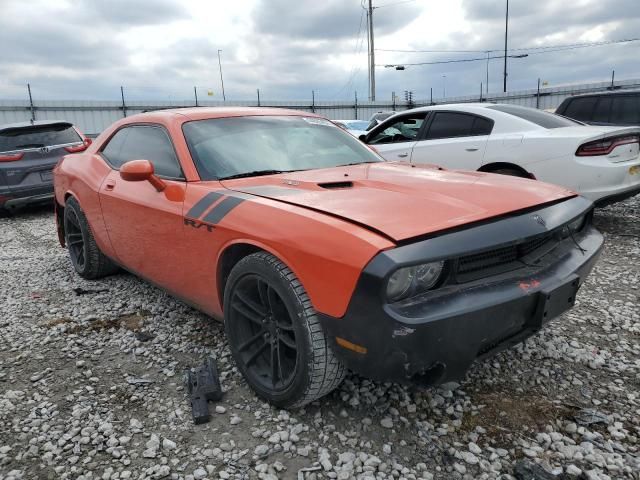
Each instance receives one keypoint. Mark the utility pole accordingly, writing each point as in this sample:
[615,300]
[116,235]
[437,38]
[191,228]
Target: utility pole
[372,56]
[506,32]
[487,84]
[224,99]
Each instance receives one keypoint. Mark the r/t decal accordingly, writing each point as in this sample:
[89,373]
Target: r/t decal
[211,209]
[198,225]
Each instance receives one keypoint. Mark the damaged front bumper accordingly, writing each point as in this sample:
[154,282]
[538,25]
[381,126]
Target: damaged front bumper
[435,337]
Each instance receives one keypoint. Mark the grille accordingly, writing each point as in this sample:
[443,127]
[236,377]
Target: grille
[500,260]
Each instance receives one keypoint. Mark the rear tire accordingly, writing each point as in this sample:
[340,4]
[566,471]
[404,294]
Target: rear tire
[87,259]
[275,336]
[512,172]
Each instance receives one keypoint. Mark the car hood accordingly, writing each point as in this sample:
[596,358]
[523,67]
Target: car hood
[402,201]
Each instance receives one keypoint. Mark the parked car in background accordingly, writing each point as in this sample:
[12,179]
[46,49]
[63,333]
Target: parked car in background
[28,153]
[378,118]
[354,127]
[602,163]
[317,254]
[607,108]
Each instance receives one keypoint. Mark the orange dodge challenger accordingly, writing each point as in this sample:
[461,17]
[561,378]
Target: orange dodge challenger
[319,255]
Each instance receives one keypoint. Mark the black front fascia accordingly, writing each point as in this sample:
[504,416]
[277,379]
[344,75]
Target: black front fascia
[504,232]
[436,336]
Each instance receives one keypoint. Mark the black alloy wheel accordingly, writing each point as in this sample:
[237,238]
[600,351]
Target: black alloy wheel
[274,334]
[265,333]
[86,257]
[75,240]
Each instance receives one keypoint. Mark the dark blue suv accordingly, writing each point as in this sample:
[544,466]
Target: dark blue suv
[28,153]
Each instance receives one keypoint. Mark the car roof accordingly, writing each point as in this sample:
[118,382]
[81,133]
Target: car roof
[35,123]
[603,94]
[452,106]
[187,114]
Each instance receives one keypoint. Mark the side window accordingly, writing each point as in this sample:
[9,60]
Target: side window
[452,125]
[112,152]
[144,143]
[581,108]
[601,112]
[625,110]
[481,126]
[405,129]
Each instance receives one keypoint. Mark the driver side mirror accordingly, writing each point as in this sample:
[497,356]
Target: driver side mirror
[139,171]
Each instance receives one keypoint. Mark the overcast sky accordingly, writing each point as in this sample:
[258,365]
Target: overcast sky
[161,49]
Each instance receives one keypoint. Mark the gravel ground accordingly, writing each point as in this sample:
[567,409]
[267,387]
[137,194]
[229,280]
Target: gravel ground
[91,387]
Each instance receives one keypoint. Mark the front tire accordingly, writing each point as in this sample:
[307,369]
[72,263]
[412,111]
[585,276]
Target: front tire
[275,336]
[87,259]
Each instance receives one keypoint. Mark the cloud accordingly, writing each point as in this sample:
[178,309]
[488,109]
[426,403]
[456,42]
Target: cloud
[327,20]
[160,49]
[129,13]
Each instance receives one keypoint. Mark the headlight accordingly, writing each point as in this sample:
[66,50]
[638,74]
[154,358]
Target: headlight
[409,281]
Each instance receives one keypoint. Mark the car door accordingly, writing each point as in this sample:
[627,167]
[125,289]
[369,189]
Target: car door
[394,139]
[453,140]
[145,226]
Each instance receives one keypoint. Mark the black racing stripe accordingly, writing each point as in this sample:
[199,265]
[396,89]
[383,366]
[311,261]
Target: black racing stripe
[218,212]
[202,204]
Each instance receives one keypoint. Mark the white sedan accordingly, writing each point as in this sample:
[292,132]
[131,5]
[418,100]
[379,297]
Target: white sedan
[601,163]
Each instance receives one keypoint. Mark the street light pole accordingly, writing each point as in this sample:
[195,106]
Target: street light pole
[224,98]
[372,56]
[444,86]
[506,32]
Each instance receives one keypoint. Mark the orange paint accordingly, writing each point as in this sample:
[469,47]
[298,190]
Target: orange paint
[326,236]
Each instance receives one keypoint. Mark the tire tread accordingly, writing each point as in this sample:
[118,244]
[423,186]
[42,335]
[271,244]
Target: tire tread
[325,370]
[98,265]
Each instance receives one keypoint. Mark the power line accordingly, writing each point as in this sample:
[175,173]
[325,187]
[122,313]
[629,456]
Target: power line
[549,50]
[359,44]
[395,3]
[433,51]
[576,45]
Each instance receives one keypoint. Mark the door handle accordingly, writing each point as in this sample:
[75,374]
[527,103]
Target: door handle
[473,149]
[109,185]
[403,155]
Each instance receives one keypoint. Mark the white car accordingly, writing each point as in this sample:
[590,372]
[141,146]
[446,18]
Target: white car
[600,163]
[354,127]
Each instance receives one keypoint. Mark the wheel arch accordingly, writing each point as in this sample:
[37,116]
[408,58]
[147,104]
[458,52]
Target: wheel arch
[493,166]
[235,251]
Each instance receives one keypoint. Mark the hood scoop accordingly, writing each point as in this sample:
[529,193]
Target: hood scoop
[336,185]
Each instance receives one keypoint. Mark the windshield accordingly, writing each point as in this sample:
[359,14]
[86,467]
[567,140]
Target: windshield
[36,136]
[236,146]
[539,117]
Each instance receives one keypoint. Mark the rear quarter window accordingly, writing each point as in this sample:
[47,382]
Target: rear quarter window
[38,136]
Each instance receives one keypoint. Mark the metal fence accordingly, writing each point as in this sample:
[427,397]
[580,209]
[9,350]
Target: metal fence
[94,116]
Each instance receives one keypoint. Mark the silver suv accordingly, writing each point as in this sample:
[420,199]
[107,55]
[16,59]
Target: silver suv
[28,153]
